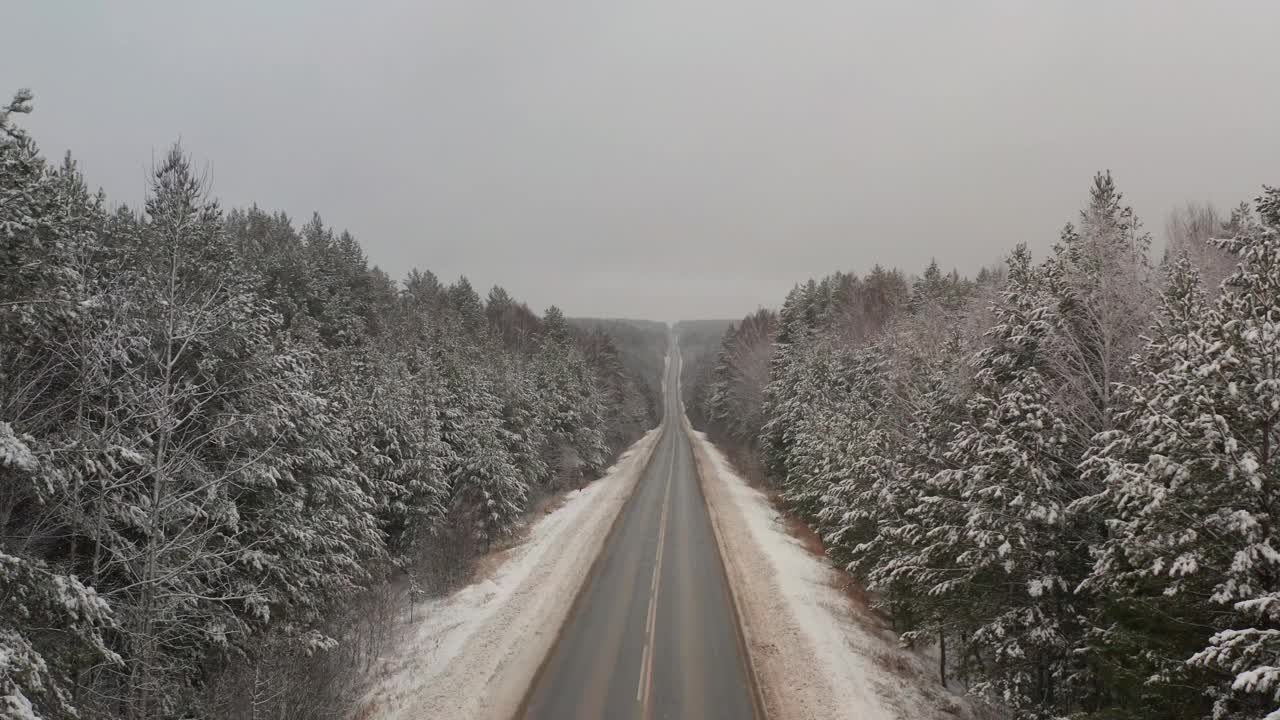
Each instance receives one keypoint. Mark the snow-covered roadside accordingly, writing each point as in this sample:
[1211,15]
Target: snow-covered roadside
[812,655]
[473,654]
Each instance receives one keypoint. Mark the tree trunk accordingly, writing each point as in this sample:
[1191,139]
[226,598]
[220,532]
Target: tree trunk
[942,657]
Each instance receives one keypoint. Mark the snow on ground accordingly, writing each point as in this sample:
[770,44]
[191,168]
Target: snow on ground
[815,653]
[474,653]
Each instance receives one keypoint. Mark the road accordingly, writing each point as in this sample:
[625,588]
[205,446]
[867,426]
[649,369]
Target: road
[653,634]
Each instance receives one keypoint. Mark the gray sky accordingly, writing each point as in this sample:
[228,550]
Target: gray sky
[665,158]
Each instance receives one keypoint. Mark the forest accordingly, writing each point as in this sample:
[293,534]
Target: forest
[224,439]
[1060,475]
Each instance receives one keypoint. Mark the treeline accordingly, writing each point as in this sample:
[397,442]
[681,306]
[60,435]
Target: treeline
[217,431]
[637,348]
[702,345]
[1063,474]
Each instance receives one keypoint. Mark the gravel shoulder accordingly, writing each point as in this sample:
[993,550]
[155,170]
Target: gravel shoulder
[816,653]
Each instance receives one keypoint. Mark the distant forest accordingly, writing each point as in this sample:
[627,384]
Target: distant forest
[1063,475]
[227,443]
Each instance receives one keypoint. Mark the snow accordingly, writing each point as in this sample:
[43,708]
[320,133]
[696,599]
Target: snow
[14,452]
[17,707]
[475,653]
[815,654]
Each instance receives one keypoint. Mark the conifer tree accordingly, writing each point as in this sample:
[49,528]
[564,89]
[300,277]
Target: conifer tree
[1191,480]
[1007,479]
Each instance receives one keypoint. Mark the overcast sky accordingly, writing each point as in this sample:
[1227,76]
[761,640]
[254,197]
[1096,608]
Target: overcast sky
[664,158]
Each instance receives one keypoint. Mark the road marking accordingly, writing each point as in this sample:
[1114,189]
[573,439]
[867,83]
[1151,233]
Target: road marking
[644,660]
[651,619]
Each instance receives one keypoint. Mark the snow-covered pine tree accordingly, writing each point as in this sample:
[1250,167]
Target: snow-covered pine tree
[933,291]
[306,531]
[272,250]
[487,492]
[1007,479]
[52,626]
[525,420]
[864,498]
[1192,479]
[917,544]
[514,322]
[338,284]
[1140,636]
[716,397]
[809,425]
[572,402]
[402,443]
[781,406]
[621,389]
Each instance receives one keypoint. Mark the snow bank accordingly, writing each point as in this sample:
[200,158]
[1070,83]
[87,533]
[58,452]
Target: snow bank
[474,653]
[815,654]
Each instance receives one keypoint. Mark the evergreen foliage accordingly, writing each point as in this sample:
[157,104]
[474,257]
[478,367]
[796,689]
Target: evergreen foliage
[216,429]
[1063,474]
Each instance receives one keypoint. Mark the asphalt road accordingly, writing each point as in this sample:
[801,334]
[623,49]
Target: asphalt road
[653,634]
